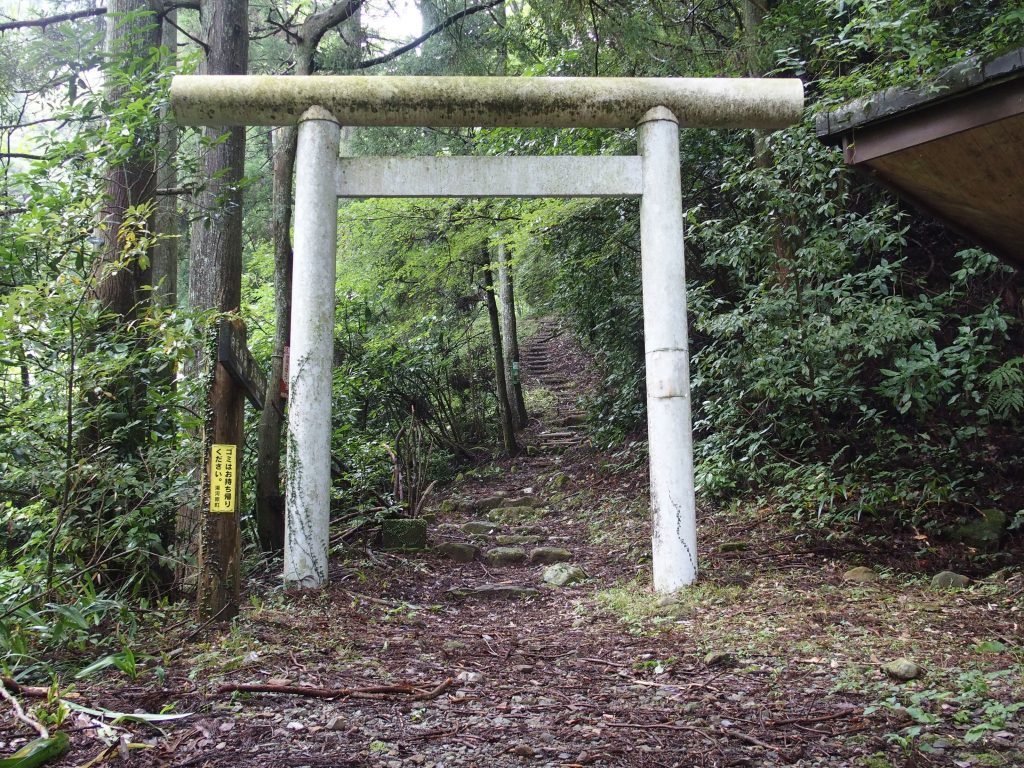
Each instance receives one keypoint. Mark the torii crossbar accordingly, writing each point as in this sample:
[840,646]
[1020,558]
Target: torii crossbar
[657,107]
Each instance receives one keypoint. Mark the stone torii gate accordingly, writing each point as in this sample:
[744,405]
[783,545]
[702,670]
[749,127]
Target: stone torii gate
[658,108]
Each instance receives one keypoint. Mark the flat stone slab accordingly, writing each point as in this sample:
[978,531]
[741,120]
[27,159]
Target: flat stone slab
[517,539]
[524,501]
[480,527]
[861,575]
[530,530]
[487,503]
[512,514]
[460,552]
[548,555]
[505,556]
[563,575]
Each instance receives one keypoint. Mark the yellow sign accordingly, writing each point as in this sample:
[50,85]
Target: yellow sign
[222,478]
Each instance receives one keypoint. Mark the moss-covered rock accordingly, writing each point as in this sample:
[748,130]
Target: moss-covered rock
[861,575]
[563,575]
[402,533]
[984,533]
[902,669]
[548,555]
[558,480]
[512,514]
[949,580]
[459,551]
[505,556]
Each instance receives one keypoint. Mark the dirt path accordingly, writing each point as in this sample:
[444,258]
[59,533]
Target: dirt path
[772,660]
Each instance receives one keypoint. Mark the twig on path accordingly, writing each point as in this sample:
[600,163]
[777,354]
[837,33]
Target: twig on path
[694,729]
[434,733]
[200,758]
[19,713]
[605,661]
[680,687]
[663,727]
[433,693]
[750,739]
[195,632]
[812,718]
[370,692]
[369,598]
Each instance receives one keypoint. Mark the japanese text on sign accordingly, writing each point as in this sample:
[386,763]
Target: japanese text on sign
[222,478]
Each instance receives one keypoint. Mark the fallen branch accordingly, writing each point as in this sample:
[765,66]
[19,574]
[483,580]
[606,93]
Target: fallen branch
[19,713]
[812,718]
[35,691]
[371,692]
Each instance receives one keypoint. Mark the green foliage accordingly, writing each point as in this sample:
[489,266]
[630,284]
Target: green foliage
[832,366]
[847,358]
[95,453]
[969,701]
[410,347]
[94,465]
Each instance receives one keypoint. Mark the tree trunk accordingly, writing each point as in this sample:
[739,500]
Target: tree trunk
[269,496]
[131,36]
[752,14]
[269,493]
[165,252]
[510,335]
[122,268]
[508,432]
[215,283]
[215,269]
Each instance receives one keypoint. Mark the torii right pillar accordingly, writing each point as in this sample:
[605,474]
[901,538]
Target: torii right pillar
[670,434]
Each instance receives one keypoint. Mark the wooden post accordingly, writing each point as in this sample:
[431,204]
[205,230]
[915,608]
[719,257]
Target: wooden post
[235,377]
[510,337]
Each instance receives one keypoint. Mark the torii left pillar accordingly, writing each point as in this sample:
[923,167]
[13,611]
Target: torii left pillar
[308,487]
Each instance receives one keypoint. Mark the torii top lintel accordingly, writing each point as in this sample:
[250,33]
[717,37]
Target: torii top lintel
[518,102]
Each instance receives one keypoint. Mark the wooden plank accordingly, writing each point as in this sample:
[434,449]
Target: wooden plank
[971,180]
[233,352]
[942,120]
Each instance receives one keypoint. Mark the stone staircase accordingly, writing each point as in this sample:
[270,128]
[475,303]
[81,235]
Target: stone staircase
[516,535]
[540,362]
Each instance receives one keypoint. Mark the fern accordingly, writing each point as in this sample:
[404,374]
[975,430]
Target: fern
[1005,389]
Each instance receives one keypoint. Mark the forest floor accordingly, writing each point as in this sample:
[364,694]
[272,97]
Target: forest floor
[777,656]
